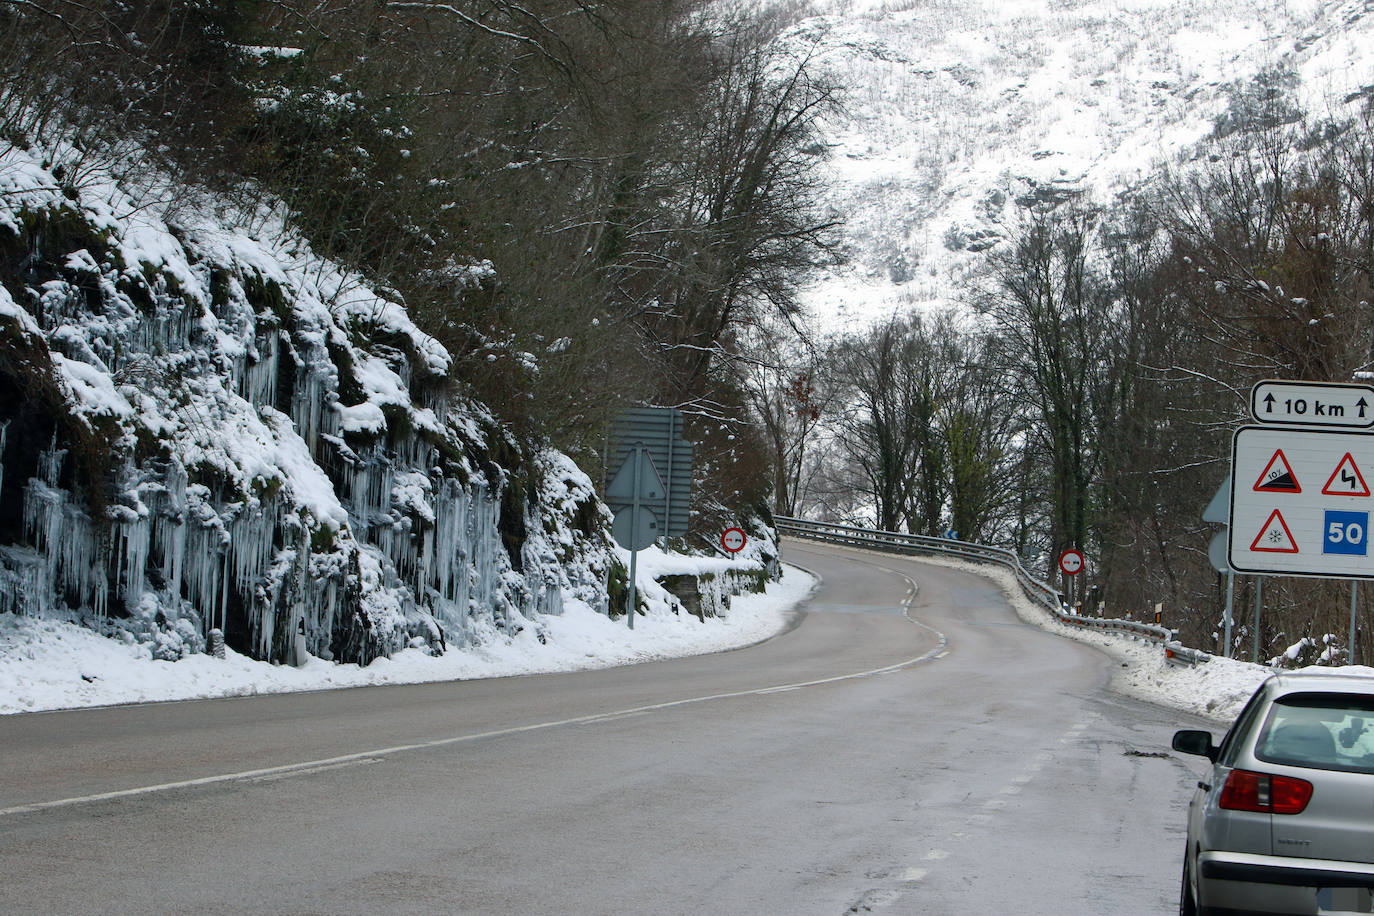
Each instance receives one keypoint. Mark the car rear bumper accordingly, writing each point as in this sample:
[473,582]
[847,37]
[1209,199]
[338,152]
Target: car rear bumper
[1284,870]
[1232,882]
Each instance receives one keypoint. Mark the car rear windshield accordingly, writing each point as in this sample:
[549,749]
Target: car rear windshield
[1328,731]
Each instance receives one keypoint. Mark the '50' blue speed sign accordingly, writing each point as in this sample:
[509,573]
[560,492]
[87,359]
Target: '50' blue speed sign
[1346,532]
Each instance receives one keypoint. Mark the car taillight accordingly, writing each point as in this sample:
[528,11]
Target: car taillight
[1246,791]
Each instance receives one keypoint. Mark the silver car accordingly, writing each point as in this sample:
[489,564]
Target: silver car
[1284,823]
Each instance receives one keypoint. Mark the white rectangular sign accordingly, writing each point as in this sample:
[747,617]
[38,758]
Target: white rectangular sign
[1301,502]
[1313,404]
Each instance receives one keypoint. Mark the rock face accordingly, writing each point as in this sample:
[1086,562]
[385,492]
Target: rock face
[204,427]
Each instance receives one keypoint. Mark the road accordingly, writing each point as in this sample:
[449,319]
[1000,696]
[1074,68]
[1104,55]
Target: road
[893,752]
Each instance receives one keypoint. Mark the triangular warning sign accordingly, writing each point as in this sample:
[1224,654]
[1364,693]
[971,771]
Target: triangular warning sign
[637,469]
[1277,476]
[1346,480]
[1275,537]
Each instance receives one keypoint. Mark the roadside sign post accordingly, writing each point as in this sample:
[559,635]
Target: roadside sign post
[1230,604]
[635,486]
[1301,500]
[1071,564]
[659,430]
[648,505]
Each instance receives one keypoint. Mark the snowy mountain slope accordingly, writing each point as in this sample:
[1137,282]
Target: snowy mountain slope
[961,110]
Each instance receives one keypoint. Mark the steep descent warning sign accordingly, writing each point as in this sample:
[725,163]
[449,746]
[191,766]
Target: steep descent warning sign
[1346,480]
[1278,476]
[1275,537]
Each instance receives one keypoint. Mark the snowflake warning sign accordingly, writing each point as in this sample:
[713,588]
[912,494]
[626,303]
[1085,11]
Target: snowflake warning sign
[1275,537]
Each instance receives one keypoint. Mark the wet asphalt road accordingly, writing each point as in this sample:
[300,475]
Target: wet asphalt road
[944,759]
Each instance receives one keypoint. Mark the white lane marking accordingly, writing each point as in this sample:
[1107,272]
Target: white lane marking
[936,855]
[915,874]
[619,716]
[327,763]
[308,771]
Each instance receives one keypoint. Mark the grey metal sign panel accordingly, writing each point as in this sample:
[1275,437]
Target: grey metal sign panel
[635,531]
[1217,550]
[660,430]
[1219,509]
[637,471]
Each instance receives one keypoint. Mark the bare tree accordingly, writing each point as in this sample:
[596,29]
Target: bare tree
[980,431]
[789,393]
[889,387]
[1053,311]
[741,229]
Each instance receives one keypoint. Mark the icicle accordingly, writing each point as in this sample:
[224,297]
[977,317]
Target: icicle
[486,549]
[4,427]
[250,543]
[168,330]
[63,534]
[255,373]
[262,388]
[170,529]
[23,582]
[204,582]
[133,539]
[50,463]
[310,408]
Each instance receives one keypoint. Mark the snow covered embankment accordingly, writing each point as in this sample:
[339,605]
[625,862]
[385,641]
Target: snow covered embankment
[1215,690]
[207,428]
[50,664]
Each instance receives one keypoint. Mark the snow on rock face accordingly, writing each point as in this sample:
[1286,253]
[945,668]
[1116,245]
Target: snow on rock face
[197,432]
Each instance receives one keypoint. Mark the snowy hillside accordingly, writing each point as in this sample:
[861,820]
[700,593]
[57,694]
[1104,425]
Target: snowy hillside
[207,430]
[959,110]
[286,454]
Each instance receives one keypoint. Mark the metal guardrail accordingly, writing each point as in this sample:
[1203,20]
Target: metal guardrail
[1040,592]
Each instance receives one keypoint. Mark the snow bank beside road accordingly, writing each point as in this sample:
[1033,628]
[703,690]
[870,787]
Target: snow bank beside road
[1215,690]
[50,664]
